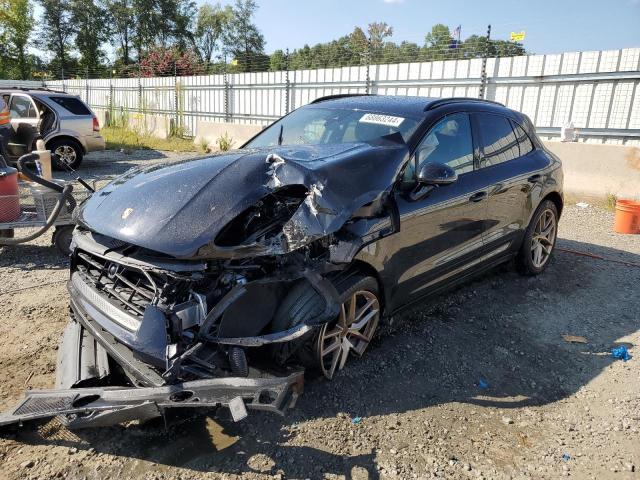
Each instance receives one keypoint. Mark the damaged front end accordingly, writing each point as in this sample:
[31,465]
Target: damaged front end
[158,324]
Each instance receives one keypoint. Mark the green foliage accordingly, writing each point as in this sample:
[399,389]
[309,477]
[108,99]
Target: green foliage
[355,48]
[243,40]
[128,139]
[224,142]
[213,23]
[16,25]
[56,33]
[87,18]
[163,37]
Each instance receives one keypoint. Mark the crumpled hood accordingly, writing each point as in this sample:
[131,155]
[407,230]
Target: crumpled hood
[178,209]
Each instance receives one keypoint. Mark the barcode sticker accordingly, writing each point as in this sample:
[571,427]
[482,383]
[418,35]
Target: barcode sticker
[378,119]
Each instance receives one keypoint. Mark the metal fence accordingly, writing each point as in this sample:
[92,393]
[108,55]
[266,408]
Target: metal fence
[596,90]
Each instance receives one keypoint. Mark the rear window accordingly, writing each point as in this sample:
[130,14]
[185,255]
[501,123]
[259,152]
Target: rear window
[73,105]
[499,143]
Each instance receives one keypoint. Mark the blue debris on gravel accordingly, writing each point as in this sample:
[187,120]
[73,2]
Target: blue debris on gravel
[620,353]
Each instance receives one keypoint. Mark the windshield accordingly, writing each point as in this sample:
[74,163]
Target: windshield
[319,126]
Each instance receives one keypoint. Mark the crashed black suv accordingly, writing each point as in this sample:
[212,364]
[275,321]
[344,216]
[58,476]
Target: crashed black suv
[217,280]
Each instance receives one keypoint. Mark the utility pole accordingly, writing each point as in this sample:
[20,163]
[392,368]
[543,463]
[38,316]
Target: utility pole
[225,76]
[287,85]
[483,79]
[367,59]
[175,96]
[86,83]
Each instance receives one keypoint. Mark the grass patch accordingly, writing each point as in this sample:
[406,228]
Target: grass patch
[610,202]
[128,139]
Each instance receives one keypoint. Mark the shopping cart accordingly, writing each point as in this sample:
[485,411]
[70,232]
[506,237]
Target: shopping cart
[35,205]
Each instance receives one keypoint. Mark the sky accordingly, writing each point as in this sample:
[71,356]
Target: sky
[551,26]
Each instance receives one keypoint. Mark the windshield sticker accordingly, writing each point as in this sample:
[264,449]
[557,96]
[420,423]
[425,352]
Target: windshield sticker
[378,119]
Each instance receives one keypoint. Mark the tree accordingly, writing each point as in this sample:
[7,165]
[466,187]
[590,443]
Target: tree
[16,24]
[56,32]
[164,62]
[358,46]
[243,39]
[212,24]
[277,61]
[87,18]
[121,27]
[438,43]
[378,31]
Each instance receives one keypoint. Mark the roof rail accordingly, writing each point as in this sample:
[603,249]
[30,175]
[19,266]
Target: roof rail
[445,101]
[33,89]
[342,95]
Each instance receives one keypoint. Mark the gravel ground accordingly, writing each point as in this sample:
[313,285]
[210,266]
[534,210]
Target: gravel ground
[548,408]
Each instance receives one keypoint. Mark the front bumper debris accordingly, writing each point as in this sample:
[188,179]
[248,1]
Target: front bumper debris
[103,406]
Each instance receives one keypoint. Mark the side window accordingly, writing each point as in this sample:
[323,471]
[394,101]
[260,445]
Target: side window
[22,107]
[448,142]
[499,143]
[524,142]
[71,104]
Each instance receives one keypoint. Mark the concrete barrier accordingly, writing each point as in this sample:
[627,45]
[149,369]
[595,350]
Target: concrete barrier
[210,132]
[594,172]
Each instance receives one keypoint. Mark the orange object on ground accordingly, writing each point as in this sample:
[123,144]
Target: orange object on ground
[627,217]
[9,200]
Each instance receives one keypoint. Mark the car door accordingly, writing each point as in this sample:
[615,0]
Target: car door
[510,168]
[24,121]
[442,232]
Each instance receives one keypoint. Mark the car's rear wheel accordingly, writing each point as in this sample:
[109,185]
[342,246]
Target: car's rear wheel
[65,153]
[335,342]
[539,240]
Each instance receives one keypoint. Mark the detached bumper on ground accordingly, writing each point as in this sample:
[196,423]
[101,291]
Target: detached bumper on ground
[83,358]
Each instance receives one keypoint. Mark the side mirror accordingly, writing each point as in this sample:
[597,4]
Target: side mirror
[436,174]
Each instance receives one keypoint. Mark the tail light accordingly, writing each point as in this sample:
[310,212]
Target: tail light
[96,125]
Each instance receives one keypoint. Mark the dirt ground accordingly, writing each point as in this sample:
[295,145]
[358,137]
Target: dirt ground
[476,384]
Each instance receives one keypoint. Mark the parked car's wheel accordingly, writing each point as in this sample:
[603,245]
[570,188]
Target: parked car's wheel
[539,240]
[62,239]
[65,153]
[350,334]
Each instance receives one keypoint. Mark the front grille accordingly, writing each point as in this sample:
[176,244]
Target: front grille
[130,288]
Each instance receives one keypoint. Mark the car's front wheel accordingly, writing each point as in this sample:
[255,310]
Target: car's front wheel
[347,336]
[539,240]
[65,153]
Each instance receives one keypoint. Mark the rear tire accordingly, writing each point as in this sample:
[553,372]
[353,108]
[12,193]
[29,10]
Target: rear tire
[539,240]
[65,152]
[326,351]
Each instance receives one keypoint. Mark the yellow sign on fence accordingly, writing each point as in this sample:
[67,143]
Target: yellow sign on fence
[517,36]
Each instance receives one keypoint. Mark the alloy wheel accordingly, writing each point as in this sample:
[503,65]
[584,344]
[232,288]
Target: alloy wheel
[356,325]
[65,154]
[543,239]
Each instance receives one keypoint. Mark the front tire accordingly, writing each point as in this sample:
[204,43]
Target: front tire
[65,153]
[539,240]
[328,350]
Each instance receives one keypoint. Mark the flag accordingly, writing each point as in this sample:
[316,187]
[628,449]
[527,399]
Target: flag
[517,36]
[456,33]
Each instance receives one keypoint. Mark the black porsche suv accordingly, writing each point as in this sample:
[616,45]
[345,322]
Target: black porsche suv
[217,280]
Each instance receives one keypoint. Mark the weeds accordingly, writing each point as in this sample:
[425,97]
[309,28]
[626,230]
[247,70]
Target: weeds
[224,142]
[610,202]
[121,138]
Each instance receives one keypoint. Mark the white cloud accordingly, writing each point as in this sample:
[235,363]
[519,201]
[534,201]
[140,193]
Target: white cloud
[393,1]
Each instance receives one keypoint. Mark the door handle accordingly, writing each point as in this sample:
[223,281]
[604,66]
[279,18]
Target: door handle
[535,178]
[478,197]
